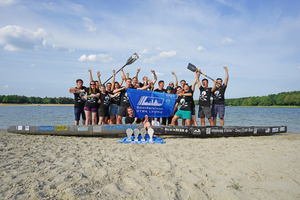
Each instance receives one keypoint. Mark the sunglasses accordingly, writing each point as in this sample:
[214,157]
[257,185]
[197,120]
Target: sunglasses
[92,84]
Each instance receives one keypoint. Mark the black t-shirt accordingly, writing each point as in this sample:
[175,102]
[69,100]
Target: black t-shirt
[124,99]
[192,100]
[78,101]
[158,90]
[130,120]
[219,95]
[185,102]
[116,100]
[204,98]
[105,100]
[91,102]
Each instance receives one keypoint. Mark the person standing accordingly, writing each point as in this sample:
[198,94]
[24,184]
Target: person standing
[204,100]
[218,105]
[161,85]
[79,102]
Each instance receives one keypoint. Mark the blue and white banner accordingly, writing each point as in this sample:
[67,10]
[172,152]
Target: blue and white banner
[153,104]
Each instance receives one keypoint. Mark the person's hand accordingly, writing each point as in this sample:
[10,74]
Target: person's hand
[90,71]
[98,73]
[226,68]
[114,72]
[153,72]
[173,73]
[138,70]
[121,69]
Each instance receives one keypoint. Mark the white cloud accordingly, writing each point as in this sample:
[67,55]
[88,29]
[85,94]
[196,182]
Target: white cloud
[7,2]
[200,48]
[89,24]
[162,55]
[104,58]
[6,87]
[16,38]
[227,41]
[58,47]
[158,48]
[145,51]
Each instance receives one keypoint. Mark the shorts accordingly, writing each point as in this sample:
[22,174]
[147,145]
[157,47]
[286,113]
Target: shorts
[90,109]
[193,111]
[218,108]
[103,112]
[113,109]
[77,112]
[184,114]
[122,111]
[204,112]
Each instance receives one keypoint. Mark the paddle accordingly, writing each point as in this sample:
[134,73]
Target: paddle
[130,60]
[193,68]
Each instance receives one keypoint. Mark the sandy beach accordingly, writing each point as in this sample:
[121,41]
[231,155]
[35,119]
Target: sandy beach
[55,167]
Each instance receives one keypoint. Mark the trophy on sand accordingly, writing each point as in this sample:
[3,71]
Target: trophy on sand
[150,132]
[129,132]
[136,134]
[143,133]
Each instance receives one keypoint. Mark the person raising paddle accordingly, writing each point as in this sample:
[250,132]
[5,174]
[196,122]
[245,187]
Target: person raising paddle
[218,105]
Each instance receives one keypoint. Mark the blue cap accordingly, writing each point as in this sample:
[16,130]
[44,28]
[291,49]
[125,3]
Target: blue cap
[169,88]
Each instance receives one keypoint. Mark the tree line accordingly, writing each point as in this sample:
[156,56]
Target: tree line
[35,100]
[281,99]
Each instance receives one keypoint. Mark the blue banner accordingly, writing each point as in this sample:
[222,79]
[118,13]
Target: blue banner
[153,104]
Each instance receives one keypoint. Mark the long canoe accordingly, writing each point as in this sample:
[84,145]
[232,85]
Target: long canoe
[120,130]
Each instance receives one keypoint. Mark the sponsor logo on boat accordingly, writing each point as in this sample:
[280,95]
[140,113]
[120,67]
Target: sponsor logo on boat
[115,127]
[282,128]
[267,130]
[217,130]
[197,132]
[150,101]
[208,131]
[228,130]
[274,130]
[46,128]
[26,128]
[61,128]
[19,128]
[182,130]
[83,128]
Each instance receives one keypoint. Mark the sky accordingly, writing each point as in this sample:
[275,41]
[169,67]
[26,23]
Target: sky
[45,46]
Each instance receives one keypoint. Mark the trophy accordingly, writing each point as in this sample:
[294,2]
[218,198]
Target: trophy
[136,134]
[143,133]
[150,132]
[129,132]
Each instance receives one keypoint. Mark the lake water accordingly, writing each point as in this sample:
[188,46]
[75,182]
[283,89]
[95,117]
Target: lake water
[234,116]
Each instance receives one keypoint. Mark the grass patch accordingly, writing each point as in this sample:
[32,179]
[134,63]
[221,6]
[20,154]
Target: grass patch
[235,185]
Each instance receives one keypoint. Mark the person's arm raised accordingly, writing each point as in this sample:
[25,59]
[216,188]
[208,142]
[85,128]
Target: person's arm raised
[226,75]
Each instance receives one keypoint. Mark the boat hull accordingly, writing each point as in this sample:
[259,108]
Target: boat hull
[120,130]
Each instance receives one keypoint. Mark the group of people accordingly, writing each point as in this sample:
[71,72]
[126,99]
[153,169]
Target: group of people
[109,104]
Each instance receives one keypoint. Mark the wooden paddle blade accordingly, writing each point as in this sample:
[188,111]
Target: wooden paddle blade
[133,58]
[192,67]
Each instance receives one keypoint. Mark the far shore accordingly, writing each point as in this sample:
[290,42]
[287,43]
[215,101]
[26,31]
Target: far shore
[13,104]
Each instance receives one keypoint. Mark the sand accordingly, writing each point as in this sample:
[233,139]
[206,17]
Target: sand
[55,167]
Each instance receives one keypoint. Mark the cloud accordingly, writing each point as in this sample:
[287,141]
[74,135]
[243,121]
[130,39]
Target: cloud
[32,65]
[162,55]
[227,41]
[61,48]
[89,24]
[158,48]
[145,51]
[200,48]
[7,2]
[6,87]
[15,38]
[104,58]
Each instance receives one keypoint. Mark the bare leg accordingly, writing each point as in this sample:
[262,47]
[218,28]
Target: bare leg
[112,119]
[101,120]
[76,123]
[202,121]
[222,121]
[83,122]
[105,120]
[88,117]
[215,121]
[193,120]
[174,120]
[94,116]
[119,119]
[183,122]
[188,122]
[210,121]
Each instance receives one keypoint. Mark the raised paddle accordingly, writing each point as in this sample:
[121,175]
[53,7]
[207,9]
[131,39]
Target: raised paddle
[193,68]
[130,60]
